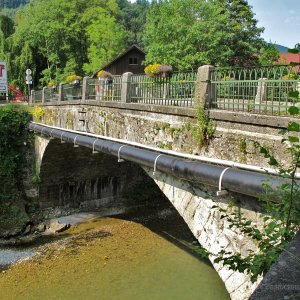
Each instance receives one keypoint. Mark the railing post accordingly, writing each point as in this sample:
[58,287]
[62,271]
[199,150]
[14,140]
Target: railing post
[85,89]
[203,89]
[60,93]
[125,87]
[31,97]
[165,88]
[43,95]
[261,94]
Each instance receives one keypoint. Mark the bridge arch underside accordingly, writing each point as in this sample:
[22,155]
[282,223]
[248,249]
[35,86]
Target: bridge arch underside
[73,178]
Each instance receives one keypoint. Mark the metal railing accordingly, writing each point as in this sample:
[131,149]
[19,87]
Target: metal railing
[175,90]
[259,90]
[51,94]
[37,96]
[263,90]
[71,91]
[104,89]
[276,72]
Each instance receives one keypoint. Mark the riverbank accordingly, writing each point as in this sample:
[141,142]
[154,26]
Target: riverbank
[142,255]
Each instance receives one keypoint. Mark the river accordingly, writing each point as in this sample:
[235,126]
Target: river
[144,255]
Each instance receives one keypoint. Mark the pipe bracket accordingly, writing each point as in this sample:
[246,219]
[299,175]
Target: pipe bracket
[75,146]
[61,140]
[155,162]
[119,154]
[221,192]
[94,151]
[34,128]
[51,137]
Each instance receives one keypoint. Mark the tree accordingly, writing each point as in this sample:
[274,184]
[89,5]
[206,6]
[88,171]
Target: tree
[52,39]
[6,29]
[269,55]
[189,33]
[6,26]
[132,18]
[12,3]
[241,33]
[106,40]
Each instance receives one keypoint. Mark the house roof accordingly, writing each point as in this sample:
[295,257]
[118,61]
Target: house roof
[287,58]
[133,47]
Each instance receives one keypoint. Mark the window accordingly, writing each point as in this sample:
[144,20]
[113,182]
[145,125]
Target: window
[133,60]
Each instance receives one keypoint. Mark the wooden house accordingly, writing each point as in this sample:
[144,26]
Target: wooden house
[128,61]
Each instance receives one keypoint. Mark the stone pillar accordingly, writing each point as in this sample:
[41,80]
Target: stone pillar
[125,87]
[43,95]
[261,94]
[203,87]
[60,93]
[85,89]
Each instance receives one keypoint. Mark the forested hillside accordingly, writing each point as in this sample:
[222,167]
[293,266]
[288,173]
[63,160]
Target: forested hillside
[56,38]
[12,3]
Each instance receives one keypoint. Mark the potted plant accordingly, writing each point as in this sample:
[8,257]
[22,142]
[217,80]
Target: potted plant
[158,70]
[104,75]
[52,85]
[73,78]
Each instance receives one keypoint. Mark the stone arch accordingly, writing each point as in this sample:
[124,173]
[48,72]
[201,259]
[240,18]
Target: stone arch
[73,178]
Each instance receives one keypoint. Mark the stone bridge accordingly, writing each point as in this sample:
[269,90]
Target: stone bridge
[96,154]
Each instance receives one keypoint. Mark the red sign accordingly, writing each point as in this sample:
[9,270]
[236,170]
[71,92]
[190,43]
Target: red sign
[2,67]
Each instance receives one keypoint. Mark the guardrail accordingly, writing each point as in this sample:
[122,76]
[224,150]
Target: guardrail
[104,89]
[71,91]
[259,90]
[37,96]
[50,94]
[263,90]
[175,90]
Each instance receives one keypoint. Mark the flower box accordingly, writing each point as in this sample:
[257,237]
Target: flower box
[104,75]
[157,70]
[74,79]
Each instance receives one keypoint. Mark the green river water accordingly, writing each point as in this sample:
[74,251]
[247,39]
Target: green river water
[124,257]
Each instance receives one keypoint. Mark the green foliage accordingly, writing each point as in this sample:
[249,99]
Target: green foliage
[271,241]
[184,42]
[13,120]
[37,113]
[35,179]
[12,3]
[269,55]
[204,129]
[199,249]
[106,40]
[282,209]
[132,18]
[167,145]
[55,38]
[13,141]
[243,150]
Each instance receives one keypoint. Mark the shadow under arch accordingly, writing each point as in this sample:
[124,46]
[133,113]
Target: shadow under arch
[75,179]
